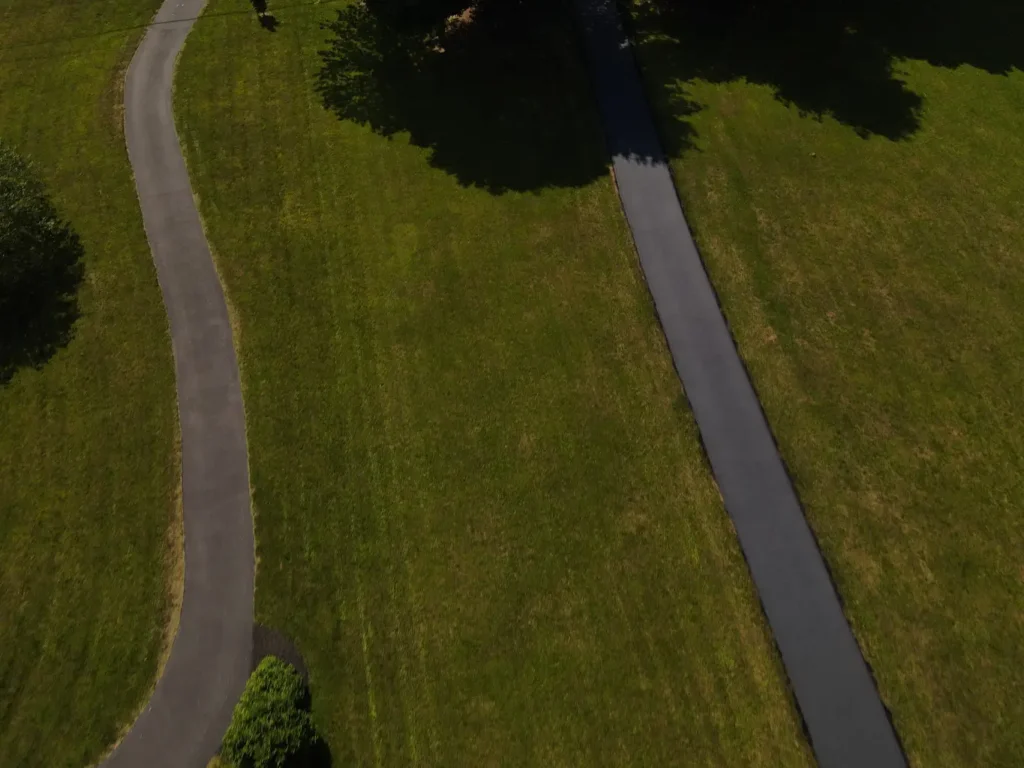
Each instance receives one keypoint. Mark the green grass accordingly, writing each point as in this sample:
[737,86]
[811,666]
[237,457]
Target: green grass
[88,474]
[870,260]
[481,508]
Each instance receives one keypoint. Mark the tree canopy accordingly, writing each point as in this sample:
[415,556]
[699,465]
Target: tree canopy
[417,13]
[40,267]
[35,243]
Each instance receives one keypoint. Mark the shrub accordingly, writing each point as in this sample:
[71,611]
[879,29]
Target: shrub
[271,726]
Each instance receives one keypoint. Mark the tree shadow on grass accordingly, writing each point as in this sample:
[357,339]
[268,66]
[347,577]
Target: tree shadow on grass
[40,319]
[833,57]
[499,95]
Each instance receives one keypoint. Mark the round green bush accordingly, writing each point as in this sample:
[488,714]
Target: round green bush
[271,726]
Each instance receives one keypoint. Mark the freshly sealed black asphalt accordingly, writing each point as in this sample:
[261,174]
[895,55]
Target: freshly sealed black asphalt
[833,686]
[185,720]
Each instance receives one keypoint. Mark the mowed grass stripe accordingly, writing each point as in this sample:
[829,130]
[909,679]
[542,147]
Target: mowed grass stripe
[874,288]
[89,475]
[481,507]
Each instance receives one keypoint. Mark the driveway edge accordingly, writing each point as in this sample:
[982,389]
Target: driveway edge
[844,717]
[185,719]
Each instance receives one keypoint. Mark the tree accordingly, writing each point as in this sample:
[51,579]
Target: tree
[40,268]
[417,13]
[36,245]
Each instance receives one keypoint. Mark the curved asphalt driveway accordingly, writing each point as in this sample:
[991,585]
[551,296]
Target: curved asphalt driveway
[184,721]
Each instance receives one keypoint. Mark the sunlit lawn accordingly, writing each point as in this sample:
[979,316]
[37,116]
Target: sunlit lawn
[870,259]
[481,507]
[88,468]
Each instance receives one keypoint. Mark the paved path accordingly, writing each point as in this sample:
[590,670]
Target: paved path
[834,689]
[184,721]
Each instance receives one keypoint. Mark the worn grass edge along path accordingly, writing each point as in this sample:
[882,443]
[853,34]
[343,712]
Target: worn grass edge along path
[89,474]
[191,706]
[835,692]
[482,510]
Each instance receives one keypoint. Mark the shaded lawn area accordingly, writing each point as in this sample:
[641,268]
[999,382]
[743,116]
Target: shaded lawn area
[481,508]
[88,474]
[855,179]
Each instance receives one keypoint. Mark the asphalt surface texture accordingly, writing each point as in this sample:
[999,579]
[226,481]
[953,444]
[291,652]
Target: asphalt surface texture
[183,723]
[833,686]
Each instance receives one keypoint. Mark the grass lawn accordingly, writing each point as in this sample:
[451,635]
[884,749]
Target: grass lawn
[481,508]
[856,185]
[88,473]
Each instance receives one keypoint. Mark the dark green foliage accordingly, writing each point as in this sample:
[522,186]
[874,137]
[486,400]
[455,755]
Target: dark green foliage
[35,244]
[416,13]
[40,268]
[272,726]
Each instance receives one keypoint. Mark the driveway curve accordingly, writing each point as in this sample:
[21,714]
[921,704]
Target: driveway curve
[185,720]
